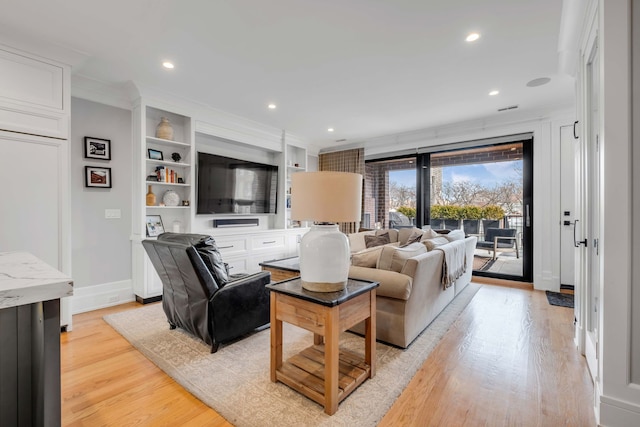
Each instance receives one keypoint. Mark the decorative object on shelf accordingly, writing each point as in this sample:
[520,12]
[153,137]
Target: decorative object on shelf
[154,225]
[176,157]
[185,203]
[96,148]
[176,226]
[297,165]
[155,154]
[151,198]
[95,176]
[180,180]
[164,129]
[153,177]
[171,198]
[327,198]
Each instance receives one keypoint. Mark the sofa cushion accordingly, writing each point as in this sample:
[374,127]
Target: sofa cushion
[368,257]
[377,240]
[392,284]
[455,235]
[433,243]
[394,258]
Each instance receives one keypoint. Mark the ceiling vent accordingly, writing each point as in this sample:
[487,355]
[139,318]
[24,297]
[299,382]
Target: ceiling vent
[340,140]
[510,107]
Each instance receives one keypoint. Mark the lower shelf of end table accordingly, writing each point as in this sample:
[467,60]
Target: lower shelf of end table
[304,373]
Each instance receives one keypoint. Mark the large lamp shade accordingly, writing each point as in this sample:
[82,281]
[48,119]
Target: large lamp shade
[325,198]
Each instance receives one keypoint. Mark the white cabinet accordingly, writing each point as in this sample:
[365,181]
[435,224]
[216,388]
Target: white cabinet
[245,251]
[34,160]
[33,99]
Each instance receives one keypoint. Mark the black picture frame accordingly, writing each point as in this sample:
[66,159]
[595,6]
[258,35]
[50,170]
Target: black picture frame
[154,225]
[97,177]
[155,154]
[97,148]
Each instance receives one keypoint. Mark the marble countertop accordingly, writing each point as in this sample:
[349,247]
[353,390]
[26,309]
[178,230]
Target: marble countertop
[25,279]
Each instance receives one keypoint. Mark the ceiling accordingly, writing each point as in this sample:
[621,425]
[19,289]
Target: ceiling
[366,68]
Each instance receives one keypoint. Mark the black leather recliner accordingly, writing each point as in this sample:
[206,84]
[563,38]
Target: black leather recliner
[198,294]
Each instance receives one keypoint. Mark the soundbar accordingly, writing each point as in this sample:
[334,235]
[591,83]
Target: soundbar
[236,222]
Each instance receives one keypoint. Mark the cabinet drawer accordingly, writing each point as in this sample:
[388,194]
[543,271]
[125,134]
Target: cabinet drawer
[267,242]
[237,265]
[231,246]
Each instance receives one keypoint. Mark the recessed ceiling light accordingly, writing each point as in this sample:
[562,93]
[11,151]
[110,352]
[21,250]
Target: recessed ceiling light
[168,64]
[271,106]
[494,92]
[330,130]
[472,37]
[539,82]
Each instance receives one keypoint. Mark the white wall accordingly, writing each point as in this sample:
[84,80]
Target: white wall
[100,248]
[620,400]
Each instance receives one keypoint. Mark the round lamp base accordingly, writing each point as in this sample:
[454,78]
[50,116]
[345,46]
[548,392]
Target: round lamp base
[324,287]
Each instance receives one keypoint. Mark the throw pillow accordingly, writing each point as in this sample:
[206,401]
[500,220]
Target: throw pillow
[394,258]
[455,235]
[415,237]
[379,240]
[430,244]
[429,234]
[366,257]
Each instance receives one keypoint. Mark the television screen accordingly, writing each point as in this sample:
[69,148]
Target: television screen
[233,186]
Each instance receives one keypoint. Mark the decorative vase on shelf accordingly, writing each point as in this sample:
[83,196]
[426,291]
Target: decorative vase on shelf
[151,198]
[171,198]
[164,129]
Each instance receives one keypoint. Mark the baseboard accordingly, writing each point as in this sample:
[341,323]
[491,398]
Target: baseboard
[89,298]
[614,412]
[502,282]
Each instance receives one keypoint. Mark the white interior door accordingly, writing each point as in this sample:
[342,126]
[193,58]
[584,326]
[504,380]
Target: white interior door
[568,150]
[593,197]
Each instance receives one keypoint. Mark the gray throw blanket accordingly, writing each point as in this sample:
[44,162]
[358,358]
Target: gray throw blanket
[454,261]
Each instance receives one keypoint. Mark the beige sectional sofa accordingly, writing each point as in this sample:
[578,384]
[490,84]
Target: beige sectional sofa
[411,292]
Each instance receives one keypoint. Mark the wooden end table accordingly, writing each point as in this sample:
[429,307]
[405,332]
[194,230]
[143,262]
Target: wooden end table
[282,269]
[323,372]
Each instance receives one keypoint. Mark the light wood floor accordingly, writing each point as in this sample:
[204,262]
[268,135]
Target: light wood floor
[509,360]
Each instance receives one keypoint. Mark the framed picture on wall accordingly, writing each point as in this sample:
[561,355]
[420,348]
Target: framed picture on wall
[154,225]
[97,176]
[96,148]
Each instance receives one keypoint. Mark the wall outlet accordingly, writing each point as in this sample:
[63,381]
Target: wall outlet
[112,213]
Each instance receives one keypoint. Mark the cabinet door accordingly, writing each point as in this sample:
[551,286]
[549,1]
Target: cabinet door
[31,196]
[31,96]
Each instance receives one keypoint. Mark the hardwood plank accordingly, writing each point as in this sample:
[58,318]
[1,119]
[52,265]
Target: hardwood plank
[508,360]
[105,381]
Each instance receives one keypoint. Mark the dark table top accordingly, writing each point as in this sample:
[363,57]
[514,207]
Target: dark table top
[291,264]
[293,287]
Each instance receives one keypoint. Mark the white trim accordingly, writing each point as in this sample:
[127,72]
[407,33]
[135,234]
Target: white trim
[618,412]
[89,298]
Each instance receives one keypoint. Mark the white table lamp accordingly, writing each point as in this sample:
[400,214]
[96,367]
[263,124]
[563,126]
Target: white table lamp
[325,198]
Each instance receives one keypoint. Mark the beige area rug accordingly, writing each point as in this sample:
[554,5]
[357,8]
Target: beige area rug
[235,381]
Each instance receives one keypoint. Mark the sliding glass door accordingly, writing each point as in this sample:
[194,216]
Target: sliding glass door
[484,189]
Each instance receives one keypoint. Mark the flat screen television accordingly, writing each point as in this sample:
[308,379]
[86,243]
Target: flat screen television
[232,186]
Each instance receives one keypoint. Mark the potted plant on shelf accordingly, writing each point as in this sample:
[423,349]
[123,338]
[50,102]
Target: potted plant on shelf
[471,216]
